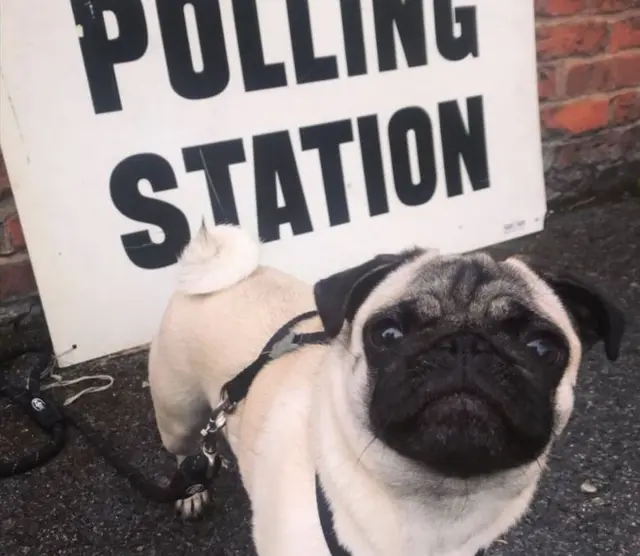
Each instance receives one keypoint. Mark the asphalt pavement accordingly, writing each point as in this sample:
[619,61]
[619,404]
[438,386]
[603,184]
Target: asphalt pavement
[588,503]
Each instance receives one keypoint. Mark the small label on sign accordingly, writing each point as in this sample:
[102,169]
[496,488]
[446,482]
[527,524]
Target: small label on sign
[514,227]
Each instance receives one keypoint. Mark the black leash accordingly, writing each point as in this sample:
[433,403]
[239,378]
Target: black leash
[235,390]
[195,474]
[38,408]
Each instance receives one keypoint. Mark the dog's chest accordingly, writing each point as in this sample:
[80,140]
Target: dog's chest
[279,473]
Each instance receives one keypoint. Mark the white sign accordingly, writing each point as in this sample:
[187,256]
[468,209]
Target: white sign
[333,129]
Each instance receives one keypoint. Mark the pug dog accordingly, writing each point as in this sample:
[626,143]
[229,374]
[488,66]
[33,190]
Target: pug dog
[426,416]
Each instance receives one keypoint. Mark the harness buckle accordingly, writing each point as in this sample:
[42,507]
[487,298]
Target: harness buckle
[285,345]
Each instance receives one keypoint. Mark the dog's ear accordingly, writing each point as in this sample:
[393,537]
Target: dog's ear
[595,316]
[339,296]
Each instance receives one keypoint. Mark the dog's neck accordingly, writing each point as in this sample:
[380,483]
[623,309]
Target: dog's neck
[383,504]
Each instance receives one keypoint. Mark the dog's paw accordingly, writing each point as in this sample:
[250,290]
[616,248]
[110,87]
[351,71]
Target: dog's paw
[193,507]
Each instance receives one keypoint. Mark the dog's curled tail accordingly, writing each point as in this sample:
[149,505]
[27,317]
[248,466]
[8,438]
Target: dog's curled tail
[216,259]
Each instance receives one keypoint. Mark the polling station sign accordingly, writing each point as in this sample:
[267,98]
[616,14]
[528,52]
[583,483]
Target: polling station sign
[330,129]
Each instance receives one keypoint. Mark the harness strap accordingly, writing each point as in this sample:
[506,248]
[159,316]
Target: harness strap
[283,341]
[326,520]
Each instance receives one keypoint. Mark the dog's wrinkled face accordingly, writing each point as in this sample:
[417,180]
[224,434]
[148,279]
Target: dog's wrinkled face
[464,369]
[470,362]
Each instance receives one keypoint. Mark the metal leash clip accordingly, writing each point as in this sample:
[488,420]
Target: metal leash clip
[216,423]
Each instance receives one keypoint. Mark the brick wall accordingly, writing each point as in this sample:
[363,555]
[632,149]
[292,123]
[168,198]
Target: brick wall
[16,277]
[589,81]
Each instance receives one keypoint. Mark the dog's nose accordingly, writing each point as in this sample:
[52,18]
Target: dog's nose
[470,343]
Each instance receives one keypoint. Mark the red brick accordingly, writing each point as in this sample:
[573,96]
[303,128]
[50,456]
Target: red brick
[589,77]
[559,7]
[560,40]
[625,108]
[16,276]
[604,74]
[626,70]
[14,230]
[547,82]
[625,34]
[610,6]
[575,117]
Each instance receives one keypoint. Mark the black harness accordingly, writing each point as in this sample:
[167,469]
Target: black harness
[234,391]
[326,520]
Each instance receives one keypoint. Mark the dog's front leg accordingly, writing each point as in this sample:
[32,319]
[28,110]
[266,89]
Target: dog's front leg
[179,425]
[193,506]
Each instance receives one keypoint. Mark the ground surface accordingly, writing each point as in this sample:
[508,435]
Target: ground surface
[76,505]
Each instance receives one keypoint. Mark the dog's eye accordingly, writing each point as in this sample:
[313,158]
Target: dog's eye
[539,346]
[392,333]
[386,332]
[548,347]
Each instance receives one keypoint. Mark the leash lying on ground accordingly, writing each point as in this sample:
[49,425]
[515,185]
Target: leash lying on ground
[40,410]
[195,474]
